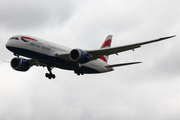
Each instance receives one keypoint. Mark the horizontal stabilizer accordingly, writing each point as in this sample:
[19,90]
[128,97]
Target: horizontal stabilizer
[123,64]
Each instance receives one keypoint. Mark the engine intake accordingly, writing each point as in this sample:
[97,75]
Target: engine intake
[20,64]
[79,56]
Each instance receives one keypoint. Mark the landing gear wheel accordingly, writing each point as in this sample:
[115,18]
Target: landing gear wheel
[53,76]
[50,75]
[46,74]
[79,72]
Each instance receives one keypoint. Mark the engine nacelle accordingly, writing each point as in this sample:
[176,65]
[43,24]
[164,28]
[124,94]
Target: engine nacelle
[20,64]
[79,56]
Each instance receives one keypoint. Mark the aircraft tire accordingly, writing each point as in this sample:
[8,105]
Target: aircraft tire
[53,76]
[50,76]
[46,74]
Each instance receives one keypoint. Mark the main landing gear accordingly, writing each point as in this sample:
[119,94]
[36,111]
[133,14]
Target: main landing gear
[79,72]
[50,75]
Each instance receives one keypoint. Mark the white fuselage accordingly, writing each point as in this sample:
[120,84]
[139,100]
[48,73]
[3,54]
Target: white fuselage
[45,52]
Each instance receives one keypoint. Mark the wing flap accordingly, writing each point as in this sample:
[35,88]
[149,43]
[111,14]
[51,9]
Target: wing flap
[94,54]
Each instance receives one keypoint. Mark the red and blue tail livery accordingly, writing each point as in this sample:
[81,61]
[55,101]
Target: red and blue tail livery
[39,52]
[106,44]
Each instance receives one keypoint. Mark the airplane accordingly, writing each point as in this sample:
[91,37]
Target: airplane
[39,52]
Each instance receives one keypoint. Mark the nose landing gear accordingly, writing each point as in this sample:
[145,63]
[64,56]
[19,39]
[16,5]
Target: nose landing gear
[50,75]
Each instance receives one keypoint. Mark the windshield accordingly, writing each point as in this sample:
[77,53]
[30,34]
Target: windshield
[14,38]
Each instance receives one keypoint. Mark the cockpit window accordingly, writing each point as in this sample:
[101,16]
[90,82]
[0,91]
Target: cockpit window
[14,38]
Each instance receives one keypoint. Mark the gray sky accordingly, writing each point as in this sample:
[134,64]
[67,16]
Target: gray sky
[145,91]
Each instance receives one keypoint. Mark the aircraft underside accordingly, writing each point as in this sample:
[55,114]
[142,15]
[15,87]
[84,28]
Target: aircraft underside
[51,62]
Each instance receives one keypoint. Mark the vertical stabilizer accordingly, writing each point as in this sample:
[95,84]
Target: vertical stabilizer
[106,44]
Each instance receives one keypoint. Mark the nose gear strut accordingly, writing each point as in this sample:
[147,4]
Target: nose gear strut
[50,75]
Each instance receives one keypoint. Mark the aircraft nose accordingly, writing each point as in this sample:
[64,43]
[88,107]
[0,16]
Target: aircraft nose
[8,44]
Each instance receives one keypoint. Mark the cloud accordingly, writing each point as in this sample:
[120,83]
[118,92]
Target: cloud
[15,94]
[23,15]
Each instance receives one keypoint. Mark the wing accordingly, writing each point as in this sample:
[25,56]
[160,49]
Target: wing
[94,54]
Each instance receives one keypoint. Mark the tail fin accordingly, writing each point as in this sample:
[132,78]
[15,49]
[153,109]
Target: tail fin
[107,43]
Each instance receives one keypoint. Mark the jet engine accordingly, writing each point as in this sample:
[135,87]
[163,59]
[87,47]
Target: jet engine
[20,64]
[79,56]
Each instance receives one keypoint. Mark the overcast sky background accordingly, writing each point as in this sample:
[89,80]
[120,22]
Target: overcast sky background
[150,90]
